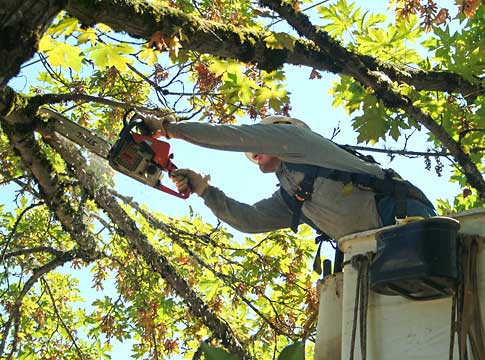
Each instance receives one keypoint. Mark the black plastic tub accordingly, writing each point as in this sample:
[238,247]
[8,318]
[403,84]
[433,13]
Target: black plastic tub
[417,260]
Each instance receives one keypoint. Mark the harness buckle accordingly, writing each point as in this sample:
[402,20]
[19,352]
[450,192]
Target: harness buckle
[302,195]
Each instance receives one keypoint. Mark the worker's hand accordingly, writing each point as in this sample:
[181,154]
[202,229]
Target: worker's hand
[184,178]
[157,125]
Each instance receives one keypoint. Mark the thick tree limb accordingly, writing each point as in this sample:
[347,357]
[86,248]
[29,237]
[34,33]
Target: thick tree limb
[19,128]
[355,66]
[127,228]
[22,24]
[142,20]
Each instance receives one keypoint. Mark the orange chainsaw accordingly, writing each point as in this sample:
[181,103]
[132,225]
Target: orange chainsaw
[139,156]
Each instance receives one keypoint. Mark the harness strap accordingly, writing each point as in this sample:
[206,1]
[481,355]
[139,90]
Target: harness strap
[392,184]
[302,194]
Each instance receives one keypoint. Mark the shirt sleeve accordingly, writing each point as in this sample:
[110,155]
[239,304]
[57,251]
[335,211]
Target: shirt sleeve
[266,215]
[272,139]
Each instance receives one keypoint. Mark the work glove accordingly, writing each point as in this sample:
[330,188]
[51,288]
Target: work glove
[184,178]
[157,125]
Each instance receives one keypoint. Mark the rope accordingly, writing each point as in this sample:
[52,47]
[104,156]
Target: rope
[361,264]
[466,318]
[453,327]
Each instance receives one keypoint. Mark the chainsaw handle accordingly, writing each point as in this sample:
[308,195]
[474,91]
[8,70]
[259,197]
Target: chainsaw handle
[182,195]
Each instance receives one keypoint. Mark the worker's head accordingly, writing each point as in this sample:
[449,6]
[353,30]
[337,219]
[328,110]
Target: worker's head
[269,163]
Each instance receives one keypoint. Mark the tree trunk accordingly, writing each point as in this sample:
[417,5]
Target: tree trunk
[22,24]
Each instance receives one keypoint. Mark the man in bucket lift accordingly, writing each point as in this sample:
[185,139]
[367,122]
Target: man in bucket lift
[332,189]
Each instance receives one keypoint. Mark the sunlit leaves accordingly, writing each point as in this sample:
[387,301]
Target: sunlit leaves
[260,89]
[88,35]
[348,93]
[341,17]
[65,26]
[108,55]
[371,125]
[280,41]
[61,54]
[460,54]
[149,56]
[391,43]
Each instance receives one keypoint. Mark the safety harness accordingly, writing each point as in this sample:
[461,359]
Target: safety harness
[392,185]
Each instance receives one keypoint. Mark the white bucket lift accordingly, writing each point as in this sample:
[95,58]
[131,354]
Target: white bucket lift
[397,327]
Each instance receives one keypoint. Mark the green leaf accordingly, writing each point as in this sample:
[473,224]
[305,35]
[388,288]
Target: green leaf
[276,95]
[66,56]
[108,55]
[294,351]
[149,56]
[67,26]
[340,17]
[280,41]
[373,124]
[61,54]
[88,35]
[221,67]
[213,353]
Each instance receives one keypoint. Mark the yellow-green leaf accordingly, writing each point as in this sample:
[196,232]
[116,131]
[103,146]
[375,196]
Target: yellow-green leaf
[148,55]
[61,54]
[280,41]
[67,26]
[46,43]
[88,35]
[108,55]
[221,67]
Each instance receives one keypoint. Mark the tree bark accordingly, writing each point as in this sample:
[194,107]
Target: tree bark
[142,20]
[19,128]
[22,24]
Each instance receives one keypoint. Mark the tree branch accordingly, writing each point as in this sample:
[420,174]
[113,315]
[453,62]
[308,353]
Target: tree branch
[142,20]
[33,250]
[358,67]
[127,228]
[61,320]
[18,126]
[39,100]
[37,274]
[400,152]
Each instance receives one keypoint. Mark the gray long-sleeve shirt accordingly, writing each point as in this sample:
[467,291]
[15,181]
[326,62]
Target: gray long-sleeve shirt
[334,210]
